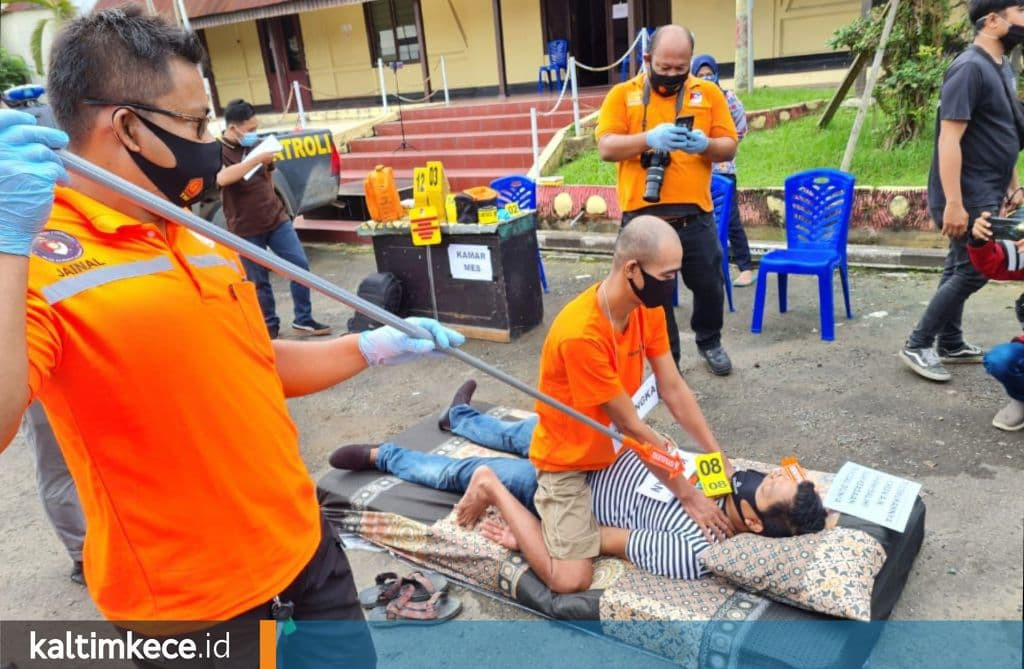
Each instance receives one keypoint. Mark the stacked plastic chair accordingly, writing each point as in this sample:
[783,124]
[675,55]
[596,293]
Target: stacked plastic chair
[558,60]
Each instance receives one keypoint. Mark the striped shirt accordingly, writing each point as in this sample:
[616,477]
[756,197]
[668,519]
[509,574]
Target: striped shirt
[663,539]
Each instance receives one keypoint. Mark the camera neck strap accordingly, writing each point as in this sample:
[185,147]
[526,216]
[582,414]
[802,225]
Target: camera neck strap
[647,101]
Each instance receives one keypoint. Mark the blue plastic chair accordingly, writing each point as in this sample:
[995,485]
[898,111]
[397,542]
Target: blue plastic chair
[558,60]
[523,191]
[819,204]
[723,190]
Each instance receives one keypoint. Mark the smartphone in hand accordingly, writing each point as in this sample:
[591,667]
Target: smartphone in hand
[685,122]
[1007,228]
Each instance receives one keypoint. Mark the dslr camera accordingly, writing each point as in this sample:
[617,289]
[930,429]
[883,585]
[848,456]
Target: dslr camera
[655,163]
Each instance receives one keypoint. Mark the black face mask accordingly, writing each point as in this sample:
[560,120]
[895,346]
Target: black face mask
[667,85]
[745,483]
[195,170]
[655,292]
[1013,38]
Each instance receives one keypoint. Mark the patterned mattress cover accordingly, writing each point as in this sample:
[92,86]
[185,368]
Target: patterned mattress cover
[418,524]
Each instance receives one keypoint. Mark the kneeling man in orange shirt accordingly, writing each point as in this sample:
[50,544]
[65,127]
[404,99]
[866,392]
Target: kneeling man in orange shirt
[593,360]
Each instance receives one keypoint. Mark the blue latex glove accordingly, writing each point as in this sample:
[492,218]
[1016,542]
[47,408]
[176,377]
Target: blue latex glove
[666,137]
[29,169]
[388,346]
[695,142]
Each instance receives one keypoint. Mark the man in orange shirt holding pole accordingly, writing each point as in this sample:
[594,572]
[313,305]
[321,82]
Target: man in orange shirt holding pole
[146,345]
[593,360]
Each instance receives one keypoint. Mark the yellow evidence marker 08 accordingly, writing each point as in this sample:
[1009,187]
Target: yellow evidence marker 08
[711,473]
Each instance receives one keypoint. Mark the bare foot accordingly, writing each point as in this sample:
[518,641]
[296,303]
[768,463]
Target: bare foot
[476,499]
[499,533]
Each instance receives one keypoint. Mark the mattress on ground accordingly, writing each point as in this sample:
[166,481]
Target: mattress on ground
[417,523]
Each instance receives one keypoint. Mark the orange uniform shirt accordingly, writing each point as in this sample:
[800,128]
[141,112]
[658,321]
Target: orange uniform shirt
[155,368]
[584,364]
[688,177]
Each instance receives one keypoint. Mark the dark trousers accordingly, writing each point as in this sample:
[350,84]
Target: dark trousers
[330,632]
[739,248]
[942,319]
[284,241]
[702,275]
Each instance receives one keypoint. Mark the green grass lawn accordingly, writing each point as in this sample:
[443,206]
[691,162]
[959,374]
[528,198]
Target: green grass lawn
[767,157]
[770,98]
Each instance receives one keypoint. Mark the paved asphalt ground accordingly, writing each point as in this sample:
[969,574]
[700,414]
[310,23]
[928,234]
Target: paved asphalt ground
[790,394]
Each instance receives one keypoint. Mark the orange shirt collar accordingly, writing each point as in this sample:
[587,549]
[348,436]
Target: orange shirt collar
[99,215]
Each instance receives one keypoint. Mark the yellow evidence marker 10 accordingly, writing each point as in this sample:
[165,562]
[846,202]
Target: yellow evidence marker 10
[424,226]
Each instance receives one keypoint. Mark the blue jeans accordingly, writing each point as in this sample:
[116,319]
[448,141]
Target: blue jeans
[453,474]
[283,241]
[1006,363]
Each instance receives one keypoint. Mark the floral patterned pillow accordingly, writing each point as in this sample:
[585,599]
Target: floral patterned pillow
[830,572]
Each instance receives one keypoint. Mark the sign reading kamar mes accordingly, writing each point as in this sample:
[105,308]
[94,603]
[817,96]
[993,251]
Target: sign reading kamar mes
[470,262]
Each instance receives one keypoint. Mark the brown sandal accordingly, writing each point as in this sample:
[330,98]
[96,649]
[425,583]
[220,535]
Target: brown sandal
[403,610]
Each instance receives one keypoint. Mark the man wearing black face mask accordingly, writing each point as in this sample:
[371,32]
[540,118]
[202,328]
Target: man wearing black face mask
[638,117]
[979,135]
[147,348]
[593,360]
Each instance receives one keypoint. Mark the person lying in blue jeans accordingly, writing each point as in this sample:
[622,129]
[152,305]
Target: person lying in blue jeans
[453,474]
[657,536]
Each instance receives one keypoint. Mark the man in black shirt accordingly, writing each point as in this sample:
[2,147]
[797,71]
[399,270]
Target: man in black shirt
[979,133]
[254,211]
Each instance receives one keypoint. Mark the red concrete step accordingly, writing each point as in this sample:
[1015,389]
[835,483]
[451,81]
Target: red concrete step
[310,230]
[502,123]
[516,106]
[452,142]
[458,179]
[520,159]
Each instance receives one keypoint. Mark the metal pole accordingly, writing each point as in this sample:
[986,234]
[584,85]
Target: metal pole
[298,101]
[430,280]
[83,168]
[645,46]
[383,87]
[865,101]
[575,95]
[742,73]
[444,81]
[750,45]
[536,140]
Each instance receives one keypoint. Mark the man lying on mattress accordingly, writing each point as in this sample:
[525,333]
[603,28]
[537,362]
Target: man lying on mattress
[577,497]
[654,535]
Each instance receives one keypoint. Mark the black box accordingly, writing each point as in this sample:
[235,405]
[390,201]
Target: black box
[498,305]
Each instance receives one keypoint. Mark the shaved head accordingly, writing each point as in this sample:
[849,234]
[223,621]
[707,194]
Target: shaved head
[645,239]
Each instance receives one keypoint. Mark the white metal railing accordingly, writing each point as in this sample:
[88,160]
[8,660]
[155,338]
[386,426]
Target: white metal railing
[571,81]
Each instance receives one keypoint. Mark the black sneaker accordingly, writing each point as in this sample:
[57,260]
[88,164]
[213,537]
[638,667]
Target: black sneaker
[464,395]
[718,361]
[925,362]
[963,354]
[354,457]
[77,573]
[274,331]
[311,327]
